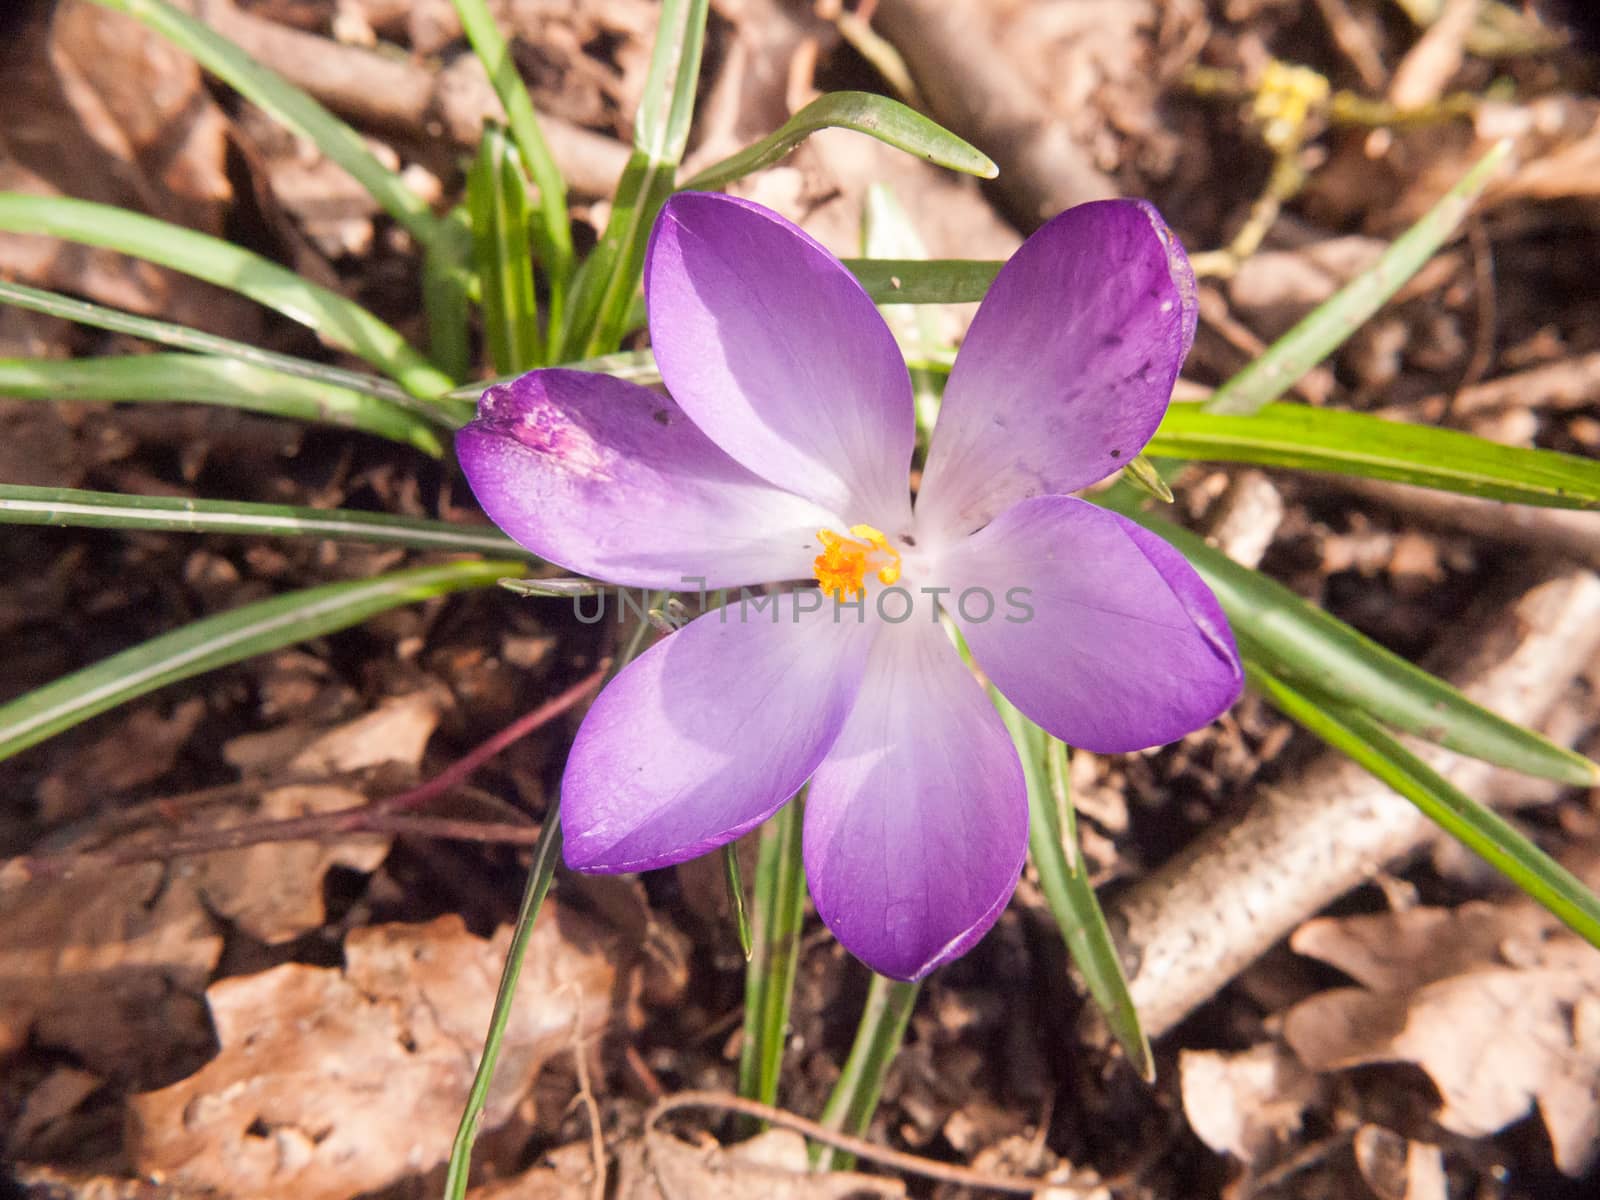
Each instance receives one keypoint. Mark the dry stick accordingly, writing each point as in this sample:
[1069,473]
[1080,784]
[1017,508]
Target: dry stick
[1571,383]
[398,95]
[385,816]
[897,1160]
[972,89]
[1192,926]
[1567,533]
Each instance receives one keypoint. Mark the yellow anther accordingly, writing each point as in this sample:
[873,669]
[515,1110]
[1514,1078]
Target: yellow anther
[844,561]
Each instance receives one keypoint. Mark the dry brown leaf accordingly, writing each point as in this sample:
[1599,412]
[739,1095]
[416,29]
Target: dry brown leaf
[101,108]
[331,1083]
[1500,1011]
[141,749]
[1245,1104]
[274,891]
[772,1166]
[109,966]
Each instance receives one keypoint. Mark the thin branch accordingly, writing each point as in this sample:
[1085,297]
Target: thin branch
[897,1160]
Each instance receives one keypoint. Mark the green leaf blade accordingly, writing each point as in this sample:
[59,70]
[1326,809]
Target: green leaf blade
[551,232]
[1316,652]
[1052,845]
[1327,326]
[75,508]
[1480,829]
[1303,438]
[497,200]
[225,382]
[915,281]
[336,319]
[862,112]
[226,638]
[609,279]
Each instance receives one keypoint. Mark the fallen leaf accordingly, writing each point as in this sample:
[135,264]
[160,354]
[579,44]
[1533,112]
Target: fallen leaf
[331,1083]
[1497,1007]
[273,891]
[1245,1104]
[109,966]
[101,108]
[141,749]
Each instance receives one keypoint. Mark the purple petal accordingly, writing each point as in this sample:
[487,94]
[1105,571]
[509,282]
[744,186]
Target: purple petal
[707,734]
[611,479]
[917,821]
[1068,366]
[774,350]
[1125,646]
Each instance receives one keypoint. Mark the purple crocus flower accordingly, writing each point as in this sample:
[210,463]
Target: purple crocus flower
[783,455]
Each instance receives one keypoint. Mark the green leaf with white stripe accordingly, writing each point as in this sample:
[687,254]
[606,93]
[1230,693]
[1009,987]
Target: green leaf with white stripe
[229,637]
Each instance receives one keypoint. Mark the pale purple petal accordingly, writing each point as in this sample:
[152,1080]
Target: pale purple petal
[917,821]
[1068,366]
[774,349]
[707,734]
[1100,631]
[612,480]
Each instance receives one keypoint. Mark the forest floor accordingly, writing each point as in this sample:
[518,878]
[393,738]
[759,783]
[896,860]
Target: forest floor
[300,1018]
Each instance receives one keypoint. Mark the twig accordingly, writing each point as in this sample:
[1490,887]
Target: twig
[897,1160]
[597,1141]
[1428,66]
[973,90]
[1483,286]
[402,96]
[1352,37]
[1193,925]
[385,816]
[1568,384]
[1562,532]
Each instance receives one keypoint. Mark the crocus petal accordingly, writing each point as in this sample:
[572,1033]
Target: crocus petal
[708,733]
[774,349]
[1094,627]
[612,480]
[1067,368]
[917,821]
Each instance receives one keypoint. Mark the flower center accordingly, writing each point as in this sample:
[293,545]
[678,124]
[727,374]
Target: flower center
[844,561]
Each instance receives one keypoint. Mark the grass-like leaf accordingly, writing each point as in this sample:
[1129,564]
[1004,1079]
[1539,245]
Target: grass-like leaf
[779,911]
[337,320]
[165,333]
[1480,829]
[552,235]
[1350,443]
[610,275]
[1053,847]
[1327,326]
[497,200]
[71,507]
[914,281]
[289,105]
[228,637]
[447,286]
[228,382]
[876,116]
[546,854]
[1317,653]
[855,1095]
